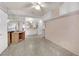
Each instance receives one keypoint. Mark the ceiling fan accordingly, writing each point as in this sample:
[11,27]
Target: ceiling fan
[38,5]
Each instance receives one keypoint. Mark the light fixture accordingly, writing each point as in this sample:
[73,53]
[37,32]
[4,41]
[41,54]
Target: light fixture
[23,25]
[41,4]
[29,19]
[37,7]
[40,21]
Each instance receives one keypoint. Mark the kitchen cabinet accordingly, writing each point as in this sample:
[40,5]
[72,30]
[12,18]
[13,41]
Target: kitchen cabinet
[15,37]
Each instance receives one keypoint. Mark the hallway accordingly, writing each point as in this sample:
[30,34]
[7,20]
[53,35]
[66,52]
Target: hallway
[36,46]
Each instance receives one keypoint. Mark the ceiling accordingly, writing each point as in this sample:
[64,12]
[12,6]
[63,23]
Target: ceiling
[27,9]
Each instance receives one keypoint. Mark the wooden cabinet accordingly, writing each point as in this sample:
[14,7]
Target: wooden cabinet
[15,37]
[9,38]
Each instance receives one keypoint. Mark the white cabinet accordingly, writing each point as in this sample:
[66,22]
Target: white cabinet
[3,31]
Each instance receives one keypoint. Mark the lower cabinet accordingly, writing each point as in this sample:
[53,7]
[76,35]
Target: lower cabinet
[15,37]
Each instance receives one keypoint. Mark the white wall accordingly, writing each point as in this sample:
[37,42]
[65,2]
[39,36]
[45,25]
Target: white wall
[64,31]
[48,15]
[3,31]
[68,7]
[51,14]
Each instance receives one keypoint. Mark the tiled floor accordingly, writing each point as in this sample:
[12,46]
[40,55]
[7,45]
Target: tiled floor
[36,46]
